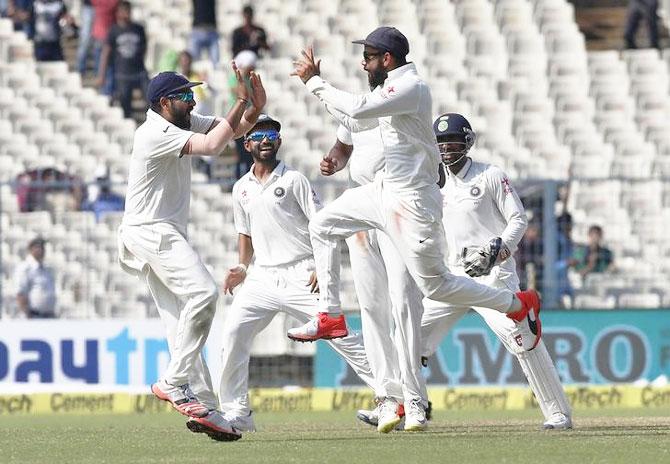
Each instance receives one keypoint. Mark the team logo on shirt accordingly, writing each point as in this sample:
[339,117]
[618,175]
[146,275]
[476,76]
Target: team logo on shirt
[475,191]
[508,187]
[280,192]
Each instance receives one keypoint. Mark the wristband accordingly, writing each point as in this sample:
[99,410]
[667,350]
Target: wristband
[243,266]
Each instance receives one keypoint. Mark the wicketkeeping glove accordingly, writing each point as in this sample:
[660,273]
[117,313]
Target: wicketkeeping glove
[478,261]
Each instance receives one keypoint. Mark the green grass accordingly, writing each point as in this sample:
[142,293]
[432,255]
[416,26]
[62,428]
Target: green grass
[617,436]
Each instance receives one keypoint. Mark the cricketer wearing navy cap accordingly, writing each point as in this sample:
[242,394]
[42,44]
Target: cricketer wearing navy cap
[153,240]
[167,83]
[387,39]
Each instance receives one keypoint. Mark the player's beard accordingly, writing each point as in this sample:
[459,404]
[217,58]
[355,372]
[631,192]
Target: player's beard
[181,118]
[377,78]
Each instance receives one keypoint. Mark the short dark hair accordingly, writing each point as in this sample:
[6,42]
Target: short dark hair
[125,4]
[248,10]
[156,107]
[596,228]
[400,60]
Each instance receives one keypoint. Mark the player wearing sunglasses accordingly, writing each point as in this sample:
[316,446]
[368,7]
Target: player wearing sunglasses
[153,240]
[272,205]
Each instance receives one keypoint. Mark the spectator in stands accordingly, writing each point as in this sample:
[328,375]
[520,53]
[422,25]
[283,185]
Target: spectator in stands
[105,200]
[48,15]
[593,257]
[638,9]
[126,47]
[529,258]
[565,256]
[86,15]
[246,62]
[36,295]
[104,17]
[205,34]
[201,92]
[48,189]
[249,36]
[21,14]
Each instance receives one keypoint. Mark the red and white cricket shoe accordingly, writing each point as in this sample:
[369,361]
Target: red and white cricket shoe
[180,397]
[321,327]
[529,315]
[215,426]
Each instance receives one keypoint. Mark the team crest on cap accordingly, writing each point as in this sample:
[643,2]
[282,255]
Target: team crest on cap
[442,126]
[280,192]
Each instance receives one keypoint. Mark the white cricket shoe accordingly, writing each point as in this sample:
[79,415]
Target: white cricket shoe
[388,417]
[415,417]
[241,423]
[371,416]
[180,397]
[368,416]
[215,426]
[558,421]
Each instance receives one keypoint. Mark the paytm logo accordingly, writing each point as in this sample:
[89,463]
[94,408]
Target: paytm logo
[94,360]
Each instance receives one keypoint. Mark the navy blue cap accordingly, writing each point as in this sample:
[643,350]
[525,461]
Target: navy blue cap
[388,39]
[265,119]
[167,83]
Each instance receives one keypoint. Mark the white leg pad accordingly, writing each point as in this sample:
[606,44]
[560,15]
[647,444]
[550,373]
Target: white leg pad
[544,381]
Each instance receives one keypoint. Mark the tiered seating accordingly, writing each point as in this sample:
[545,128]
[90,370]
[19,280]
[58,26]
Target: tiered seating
[542,106]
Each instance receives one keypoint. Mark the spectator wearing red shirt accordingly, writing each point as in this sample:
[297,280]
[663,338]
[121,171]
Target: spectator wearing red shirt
[104,19]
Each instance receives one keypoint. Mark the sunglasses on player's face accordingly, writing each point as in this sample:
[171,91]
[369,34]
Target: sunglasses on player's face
[259,136]
[183,96]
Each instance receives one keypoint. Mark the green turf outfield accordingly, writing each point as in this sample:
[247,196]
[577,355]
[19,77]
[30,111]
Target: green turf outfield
[617,436]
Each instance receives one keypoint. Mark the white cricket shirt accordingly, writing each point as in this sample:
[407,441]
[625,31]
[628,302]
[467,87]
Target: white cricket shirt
[402,108]
[37,283]
[367,157]
[159,178]
[276,215]
[479,204]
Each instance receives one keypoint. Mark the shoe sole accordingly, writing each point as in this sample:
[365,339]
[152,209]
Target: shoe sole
[553,427]
[415,427]
[218,435]
[386,428]
[158,393]
[331,336]
[366,420]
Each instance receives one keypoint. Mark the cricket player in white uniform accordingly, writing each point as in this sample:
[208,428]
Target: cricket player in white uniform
[405,202]
[390,316]
[153,233]
[273,205]
[488,221]
[486,217]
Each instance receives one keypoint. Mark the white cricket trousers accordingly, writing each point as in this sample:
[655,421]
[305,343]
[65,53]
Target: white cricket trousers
[536,364]
[185,294]
[413,222]
[265,292]
[390,317]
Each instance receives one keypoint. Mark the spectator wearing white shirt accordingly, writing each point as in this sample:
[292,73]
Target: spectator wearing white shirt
[36,295]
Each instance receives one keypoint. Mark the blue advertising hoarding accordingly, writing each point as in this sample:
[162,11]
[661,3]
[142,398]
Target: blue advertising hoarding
[588,347]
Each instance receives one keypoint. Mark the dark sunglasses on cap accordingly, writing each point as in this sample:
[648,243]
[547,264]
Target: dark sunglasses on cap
[183,96]
[258,136]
